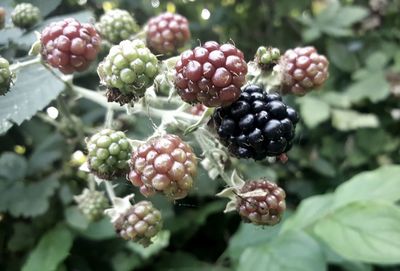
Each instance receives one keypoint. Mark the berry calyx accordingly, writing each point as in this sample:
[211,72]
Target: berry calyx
[167,32]
[257,125]
[197,109]
[116,25]
[5,76]
[211,74]
[303,70]
[261,202]
[92,204]
[267,57]
[108,154]
[25,15]
[138,223]
[127,71]
[69,45]
[165,164]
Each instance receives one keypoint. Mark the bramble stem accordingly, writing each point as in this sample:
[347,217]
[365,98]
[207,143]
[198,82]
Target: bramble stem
[110,190]
[16,66]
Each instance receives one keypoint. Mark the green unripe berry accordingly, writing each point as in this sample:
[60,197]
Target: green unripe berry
[5,76]
[107,157]
[25,15]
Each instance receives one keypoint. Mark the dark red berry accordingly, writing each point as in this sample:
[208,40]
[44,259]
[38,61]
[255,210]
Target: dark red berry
[69,45]
[167,32]
[211,74]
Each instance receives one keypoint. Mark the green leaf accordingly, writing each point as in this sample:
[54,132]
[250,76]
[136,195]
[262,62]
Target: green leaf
[160,241]
[52,249]
[373,87]
[350,15]
[377,61]
[380,184]
[336,31]
[368,232]
[28,95]
[295,251]
[340,55]
[183,261]
[32,199]
[250,235]
[384,142]
[12,166]
[313,111]
[309,211]
[44,154]
[22,238]
[346,120]
[75,218]
[100,230]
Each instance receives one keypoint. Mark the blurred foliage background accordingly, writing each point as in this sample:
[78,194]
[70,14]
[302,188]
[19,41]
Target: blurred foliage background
[348,127]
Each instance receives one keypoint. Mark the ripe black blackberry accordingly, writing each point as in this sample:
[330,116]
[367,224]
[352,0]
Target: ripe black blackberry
[257,125]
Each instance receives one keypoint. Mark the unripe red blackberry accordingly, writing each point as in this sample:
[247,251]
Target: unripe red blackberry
[261,202]
[165,164]
[5,76]
[138,223]
[117,25]
[92,204]
[266,58]
[69,45]
[303,69]
[108,155]
[25,15]
[2,17]
[167,32]
[257,125]
[127,71]
[211,74]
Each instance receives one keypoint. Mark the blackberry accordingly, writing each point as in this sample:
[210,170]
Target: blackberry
[138,223]
[25,15]
[303,70]
[92,204]
[266,58]
[117,25]
[167,32]
[69,45]
[257,125]
[211,74]
[109,152]
[261,202]
[127,71]
[5,76]
[165,164]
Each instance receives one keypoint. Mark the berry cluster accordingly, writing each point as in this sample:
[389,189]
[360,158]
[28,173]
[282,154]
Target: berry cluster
[127,71]
[211,74]
[25,15]
[167,32]
[267,57]
[139,223]
[2,17]
[261,202]
[109,152]
[69,45]
[257,125]
[117,25]
[92,204]
[165,164]
[303,70]
[5,76]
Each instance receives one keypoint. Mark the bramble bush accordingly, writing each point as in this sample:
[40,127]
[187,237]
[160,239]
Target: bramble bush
[199,135]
